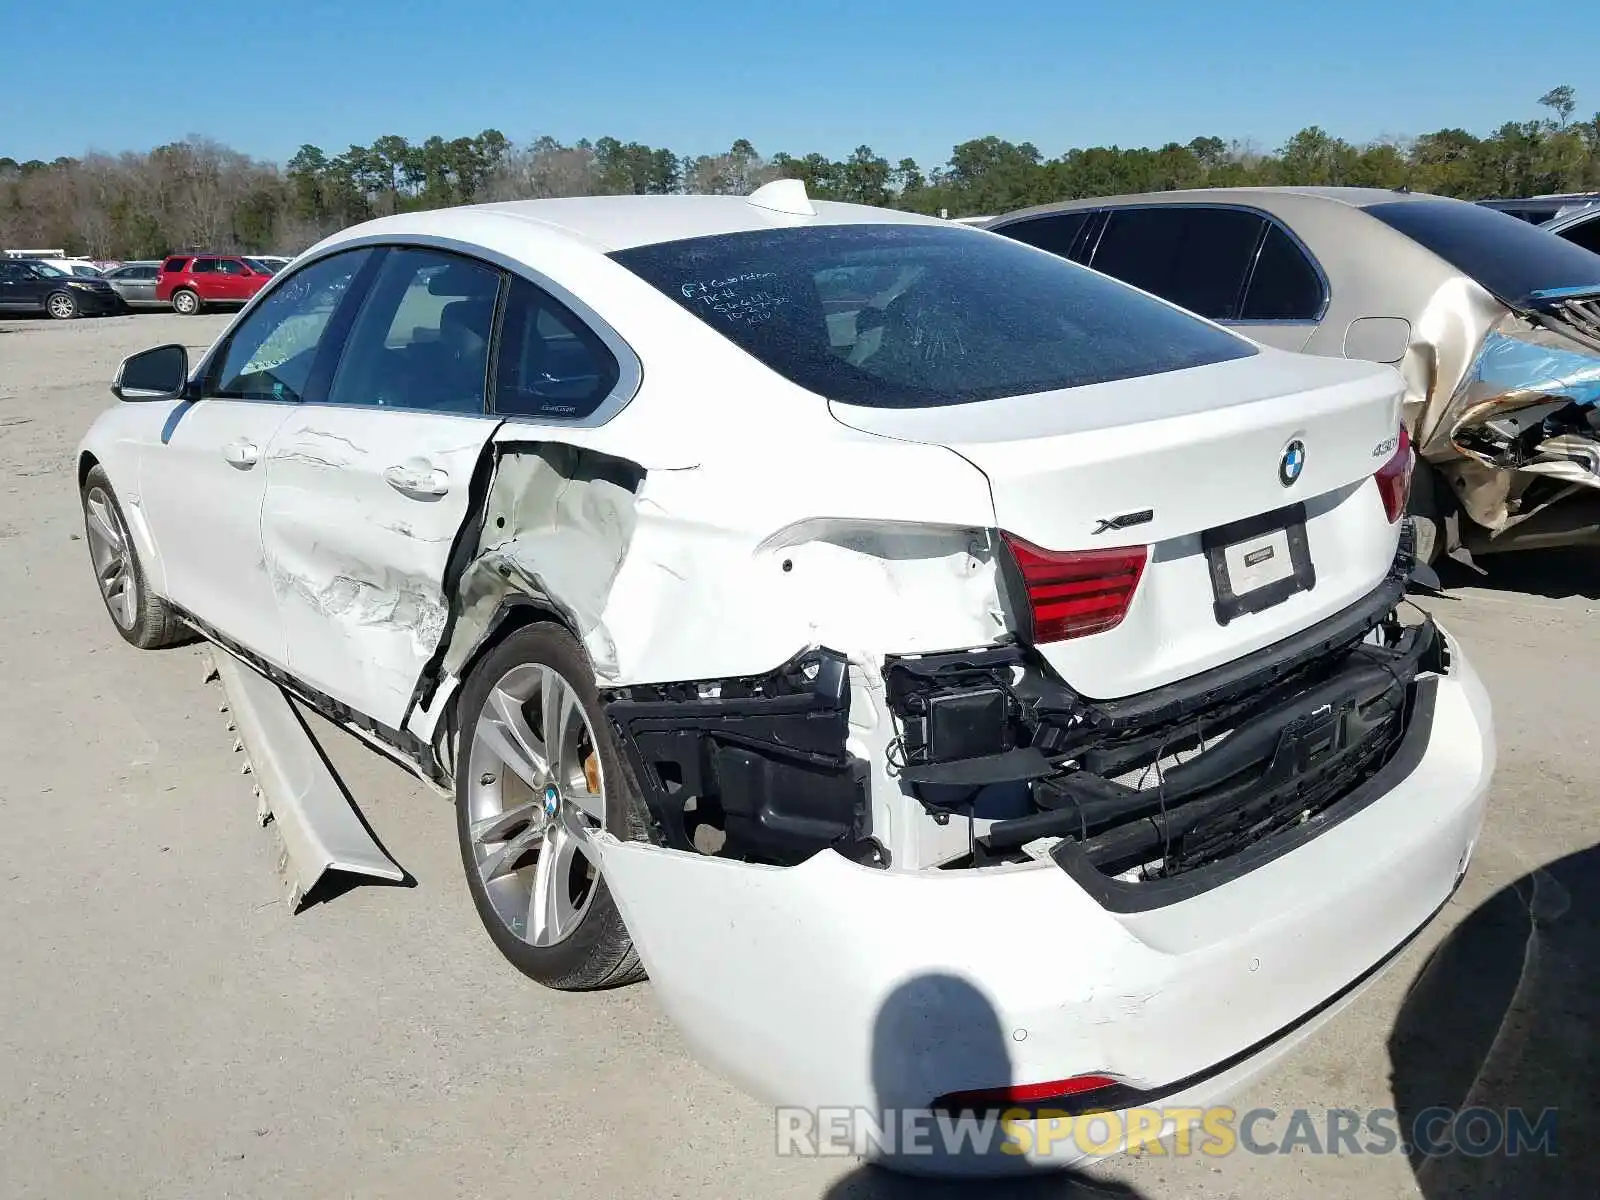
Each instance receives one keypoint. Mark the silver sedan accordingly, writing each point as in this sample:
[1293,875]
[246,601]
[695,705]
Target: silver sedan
[135,282]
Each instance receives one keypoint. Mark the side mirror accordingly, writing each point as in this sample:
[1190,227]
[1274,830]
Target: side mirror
[158,374]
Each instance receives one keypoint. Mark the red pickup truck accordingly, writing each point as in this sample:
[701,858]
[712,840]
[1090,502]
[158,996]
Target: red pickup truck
[190,282]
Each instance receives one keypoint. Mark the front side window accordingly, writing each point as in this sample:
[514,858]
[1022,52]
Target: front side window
[1195,257]
[941,315]
[1284,286]
[269,356]
[421,340]
[551,365]
[46,271]
[230,266]
[1509,258]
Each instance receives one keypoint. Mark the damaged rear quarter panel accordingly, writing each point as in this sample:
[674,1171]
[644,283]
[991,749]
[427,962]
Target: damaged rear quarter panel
[732,566]
[729,568]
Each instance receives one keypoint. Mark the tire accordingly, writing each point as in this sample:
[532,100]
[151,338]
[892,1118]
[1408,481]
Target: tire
[186,303]
[595,951]
[61,306]
[142,618]
[1427,513]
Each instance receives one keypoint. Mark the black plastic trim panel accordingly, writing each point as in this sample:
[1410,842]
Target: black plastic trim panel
[1125,897]
[764,756]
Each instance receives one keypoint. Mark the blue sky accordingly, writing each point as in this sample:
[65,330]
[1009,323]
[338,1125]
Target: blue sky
[907,79]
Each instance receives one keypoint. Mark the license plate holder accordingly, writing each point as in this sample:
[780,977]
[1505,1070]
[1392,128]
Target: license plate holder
[1258,562]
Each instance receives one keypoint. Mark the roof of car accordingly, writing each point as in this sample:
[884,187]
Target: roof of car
[1352,197]
[607,223]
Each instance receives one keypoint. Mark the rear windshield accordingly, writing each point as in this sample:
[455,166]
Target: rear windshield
[1510,258]
[909,316]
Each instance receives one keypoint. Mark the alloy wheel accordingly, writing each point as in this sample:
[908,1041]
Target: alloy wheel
[111,554]
[535,799]
[61,307]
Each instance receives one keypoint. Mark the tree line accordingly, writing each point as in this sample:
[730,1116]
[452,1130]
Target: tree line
[197,193]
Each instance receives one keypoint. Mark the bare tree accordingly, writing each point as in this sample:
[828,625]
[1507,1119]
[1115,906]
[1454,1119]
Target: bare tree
[737,173]
[544,169]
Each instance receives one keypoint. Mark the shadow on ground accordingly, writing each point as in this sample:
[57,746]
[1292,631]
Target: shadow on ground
[1555,574]
[1506,1015]
[876,1183]
[936,1034]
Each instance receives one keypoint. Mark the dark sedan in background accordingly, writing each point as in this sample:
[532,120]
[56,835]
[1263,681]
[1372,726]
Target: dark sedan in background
[29,286]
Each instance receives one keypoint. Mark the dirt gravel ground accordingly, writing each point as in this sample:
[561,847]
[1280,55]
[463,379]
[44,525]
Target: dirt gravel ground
[167,1029]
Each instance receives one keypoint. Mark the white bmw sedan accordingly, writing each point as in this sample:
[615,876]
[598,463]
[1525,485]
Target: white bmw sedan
[962,681]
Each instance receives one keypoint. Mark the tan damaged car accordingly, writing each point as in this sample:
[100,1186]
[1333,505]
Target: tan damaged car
[1494,323]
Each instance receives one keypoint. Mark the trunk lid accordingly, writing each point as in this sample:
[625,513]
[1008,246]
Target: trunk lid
[1169,460]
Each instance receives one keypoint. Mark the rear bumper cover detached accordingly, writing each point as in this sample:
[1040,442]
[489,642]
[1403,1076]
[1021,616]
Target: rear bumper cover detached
[835,984]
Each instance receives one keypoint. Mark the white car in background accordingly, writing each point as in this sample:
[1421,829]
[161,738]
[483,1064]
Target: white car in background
[81,268]
[958,678]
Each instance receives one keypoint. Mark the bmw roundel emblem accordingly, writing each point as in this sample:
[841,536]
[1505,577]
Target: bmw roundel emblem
[1292,462]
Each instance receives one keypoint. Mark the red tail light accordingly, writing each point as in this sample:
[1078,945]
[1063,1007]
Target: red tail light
[1073,593]
[1394,478]
[1023,1093]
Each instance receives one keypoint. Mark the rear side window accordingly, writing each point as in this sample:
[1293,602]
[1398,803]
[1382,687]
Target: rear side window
[1056,233]
[916,316]
[551,366]
[203,266]
[1195,257]
[1284,286]
[174,264]
[1509,258]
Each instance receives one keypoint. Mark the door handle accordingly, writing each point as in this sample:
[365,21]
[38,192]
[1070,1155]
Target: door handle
[242,454]
[417,480]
